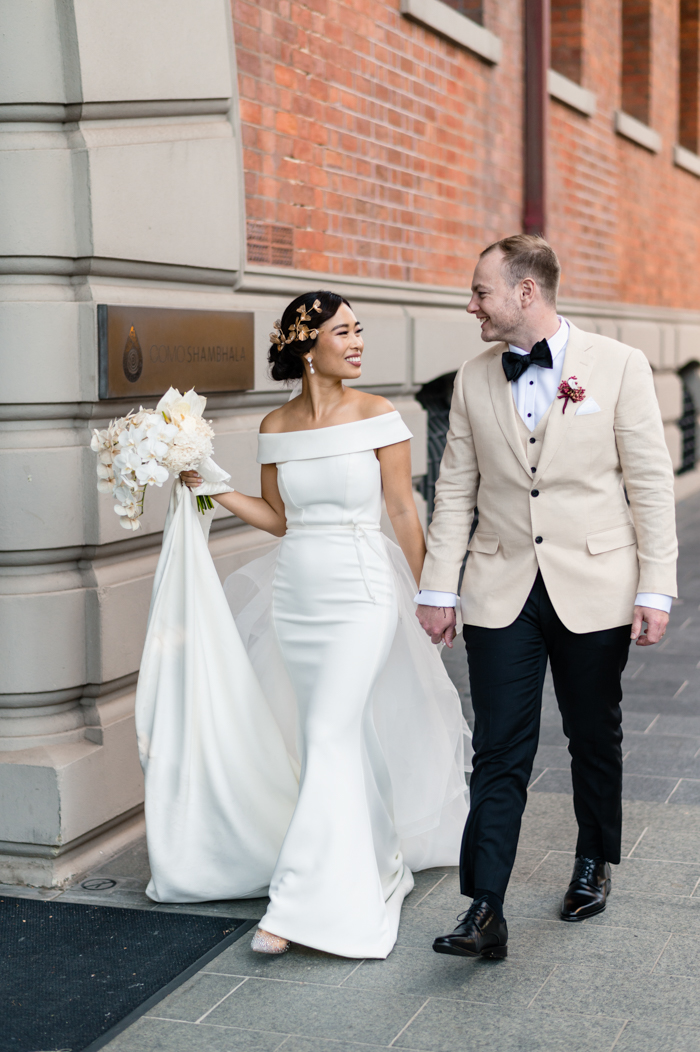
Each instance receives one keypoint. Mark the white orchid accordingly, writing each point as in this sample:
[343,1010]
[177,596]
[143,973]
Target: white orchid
[152,474]
[142,448]
[152,447]
[177,407]
[99,441]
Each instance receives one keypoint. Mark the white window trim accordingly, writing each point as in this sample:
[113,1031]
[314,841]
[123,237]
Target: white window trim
[456,27]
[683,158]
[572,94]
[634,130]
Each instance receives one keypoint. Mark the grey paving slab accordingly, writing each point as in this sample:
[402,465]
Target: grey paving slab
[653,788]
[554,942]
[681,956]
[419,927]
[312,1044]
[130,863]
[687,792]
[633,874]
[666,724]
[454,1026]
[667,755]
[196,997]
[554,780]
[341,1014]
[299,964]
[165,1035]
[410,970]
[595,989]
[245,909]
[553,756]
[646,1037]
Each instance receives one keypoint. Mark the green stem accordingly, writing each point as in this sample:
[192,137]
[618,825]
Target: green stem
[205,504]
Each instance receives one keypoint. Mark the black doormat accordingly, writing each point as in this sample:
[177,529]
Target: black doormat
[73,976]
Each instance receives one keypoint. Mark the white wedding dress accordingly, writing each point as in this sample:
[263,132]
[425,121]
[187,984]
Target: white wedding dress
[337,686]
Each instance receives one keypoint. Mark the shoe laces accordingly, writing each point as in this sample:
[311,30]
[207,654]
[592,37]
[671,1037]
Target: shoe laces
[475,911]
[584,868]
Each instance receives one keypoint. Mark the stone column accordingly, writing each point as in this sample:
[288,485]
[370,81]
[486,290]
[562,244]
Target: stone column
[120,182]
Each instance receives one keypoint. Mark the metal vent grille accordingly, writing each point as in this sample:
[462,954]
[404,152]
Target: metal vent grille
[271,244]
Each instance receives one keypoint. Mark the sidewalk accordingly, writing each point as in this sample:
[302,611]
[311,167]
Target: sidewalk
[628,980]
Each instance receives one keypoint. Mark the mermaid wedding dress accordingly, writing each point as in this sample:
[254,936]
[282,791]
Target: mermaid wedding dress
[330,681]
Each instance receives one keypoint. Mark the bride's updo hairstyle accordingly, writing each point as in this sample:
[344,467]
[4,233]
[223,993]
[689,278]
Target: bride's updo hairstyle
[295,333]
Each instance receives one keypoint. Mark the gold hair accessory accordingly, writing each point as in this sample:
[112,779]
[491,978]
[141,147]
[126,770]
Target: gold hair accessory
[297,330]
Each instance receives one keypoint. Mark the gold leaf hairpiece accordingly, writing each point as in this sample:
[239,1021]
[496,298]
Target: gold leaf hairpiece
[297,330]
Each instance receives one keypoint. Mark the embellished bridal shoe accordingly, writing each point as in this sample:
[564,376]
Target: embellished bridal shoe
[264,942]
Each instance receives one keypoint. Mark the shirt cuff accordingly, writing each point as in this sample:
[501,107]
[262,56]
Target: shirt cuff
[654,601]
[428,598]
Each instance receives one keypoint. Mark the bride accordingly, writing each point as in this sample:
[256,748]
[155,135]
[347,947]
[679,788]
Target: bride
[377,726]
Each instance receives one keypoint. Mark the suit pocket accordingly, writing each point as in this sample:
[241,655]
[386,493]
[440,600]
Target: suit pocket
[486,543]
[608,540]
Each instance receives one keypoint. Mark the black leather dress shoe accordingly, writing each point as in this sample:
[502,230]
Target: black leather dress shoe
[479,934]
[588,891]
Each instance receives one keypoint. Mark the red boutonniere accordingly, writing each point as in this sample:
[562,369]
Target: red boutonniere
[571,390]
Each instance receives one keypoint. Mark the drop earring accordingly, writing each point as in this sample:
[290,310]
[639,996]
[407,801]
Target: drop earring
[309,360]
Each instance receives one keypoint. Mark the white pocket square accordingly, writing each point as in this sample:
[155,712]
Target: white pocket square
[589,406]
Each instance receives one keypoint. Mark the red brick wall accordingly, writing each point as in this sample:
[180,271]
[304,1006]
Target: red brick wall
[391,153]
[373,147]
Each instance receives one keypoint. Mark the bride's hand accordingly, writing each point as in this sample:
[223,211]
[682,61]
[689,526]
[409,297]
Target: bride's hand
[191,479]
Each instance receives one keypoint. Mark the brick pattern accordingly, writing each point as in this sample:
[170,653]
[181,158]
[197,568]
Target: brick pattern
[567,38]
[689,80]
[378,149]
[636,58]
[391,152]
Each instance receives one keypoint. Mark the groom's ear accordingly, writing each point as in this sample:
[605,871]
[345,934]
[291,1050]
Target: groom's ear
[528,291]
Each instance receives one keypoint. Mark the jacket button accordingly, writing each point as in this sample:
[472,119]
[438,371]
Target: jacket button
[532,441]
[535,493]
[538,540]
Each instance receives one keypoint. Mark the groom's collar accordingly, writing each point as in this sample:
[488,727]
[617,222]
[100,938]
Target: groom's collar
[557,343]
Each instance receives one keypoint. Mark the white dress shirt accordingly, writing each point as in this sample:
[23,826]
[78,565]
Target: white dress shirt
[533,393]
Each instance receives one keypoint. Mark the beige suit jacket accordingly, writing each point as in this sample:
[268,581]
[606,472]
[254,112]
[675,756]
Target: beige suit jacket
[596,551]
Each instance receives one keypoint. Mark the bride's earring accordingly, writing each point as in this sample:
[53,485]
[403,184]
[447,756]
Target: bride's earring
[309,360]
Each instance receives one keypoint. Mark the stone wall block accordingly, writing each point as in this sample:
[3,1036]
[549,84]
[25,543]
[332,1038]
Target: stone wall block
[688,345]
[443,338]
[36,204]
[40,353]
[184,213]
[644,335]
[42,633]
[145,49]
[117,605]
[29,797]
[46,484]
[31,65]
[669,391]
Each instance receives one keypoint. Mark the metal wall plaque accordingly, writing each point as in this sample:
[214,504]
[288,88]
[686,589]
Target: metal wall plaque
[145,350]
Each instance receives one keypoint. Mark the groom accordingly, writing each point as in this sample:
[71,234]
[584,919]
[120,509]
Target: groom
[556,435]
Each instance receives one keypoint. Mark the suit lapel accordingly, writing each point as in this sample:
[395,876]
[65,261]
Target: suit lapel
[578,362]
[504,407]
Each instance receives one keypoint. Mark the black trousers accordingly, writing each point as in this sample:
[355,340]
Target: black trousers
[506,673]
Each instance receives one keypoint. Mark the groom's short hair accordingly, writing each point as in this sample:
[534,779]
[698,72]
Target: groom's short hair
[530,256]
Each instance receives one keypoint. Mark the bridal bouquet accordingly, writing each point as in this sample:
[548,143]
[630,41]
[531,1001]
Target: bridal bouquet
[142,449]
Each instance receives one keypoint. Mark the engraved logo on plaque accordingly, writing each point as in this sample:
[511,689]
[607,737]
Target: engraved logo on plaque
[132,361]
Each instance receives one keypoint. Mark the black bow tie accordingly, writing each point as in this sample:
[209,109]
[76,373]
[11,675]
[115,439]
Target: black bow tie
[514,365]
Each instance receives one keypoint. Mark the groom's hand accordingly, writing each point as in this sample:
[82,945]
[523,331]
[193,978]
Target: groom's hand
[439,622]
[656,625]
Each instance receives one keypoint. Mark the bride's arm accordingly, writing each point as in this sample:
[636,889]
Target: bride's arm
[395,462]
[265,512]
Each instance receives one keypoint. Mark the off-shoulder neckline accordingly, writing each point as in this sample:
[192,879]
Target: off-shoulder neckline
[328,427]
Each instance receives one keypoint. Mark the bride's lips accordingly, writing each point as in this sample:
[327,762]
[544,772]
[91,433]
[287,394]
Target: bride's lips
[355,359]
